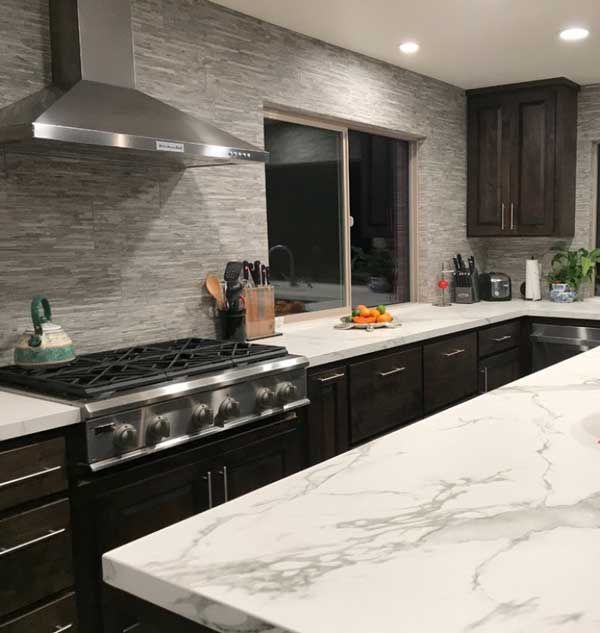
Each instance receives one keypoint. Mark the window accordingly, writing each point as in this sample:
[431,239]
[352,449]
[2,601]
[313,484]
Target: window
[598,226]
[337,215]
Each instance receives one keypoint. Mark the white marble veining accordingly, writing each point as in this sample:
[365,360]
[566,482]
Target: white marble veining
[484,518]
[321,343]
[22,415]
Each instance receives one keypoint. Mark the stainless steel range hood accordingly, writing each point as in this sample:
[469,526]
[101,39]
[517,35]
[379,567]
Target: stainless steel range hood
[93,100]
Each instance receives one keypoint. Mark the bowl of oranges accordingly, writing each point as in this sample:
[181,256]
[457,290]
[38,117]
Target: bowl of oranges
[368,318]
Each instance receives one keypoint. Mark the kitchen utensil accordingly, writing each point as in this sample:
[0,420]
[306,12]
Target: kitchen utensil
[213,285]
[267,275]
[461,263]
[233,270]
[263,275]
[46,344]
[256,275]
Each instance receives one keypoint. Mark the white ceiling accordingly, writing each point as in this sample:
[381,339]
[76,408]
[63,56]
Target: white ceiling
[469,43]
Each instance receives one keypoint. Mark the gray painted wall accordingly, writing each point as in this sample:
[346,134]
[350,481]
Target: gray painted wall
[121,249]
[509,255]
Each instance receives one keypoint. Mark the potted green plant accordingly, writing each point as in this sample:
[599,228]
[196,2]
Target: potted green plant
[569,270]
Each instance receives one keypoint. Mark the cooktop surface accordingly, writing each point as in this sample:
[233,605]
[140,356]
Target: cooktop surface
[102,373]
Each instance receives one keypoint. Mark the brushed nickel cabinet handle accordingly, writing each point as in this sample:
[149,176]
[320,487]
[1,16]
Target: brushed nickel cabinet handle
[61,629]
[39,473]
[500,339]
[208,479]
[391,372]
[4,551]
[225,483]
[484,371]
[512,216]
[456,352]
[503,209]
[131,627]
[330,378]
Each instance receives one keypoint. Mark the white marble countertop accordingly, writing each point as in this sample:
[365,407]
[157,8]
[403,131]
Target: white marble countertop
[22,415]
[321,343]
[484,518]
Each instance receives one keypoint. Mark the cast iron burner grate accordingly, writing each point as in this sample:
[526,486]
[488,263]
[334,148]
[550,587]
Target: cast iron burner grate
[103,373]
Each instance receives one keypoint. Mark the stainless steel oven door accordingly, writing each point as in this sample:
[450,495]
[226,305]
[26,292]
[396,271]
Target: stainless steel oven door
[552,343]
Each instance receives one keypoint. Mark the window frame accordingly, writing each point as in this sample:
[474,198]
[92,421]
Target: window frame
[342,126]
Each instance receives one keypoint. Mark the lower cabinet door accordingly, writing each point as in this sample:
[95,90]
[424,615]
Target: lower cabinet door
[385,393]
[35,555]
[328,422]
[59,616]
[132,511]
[499,370]
[261,458]
[450,370]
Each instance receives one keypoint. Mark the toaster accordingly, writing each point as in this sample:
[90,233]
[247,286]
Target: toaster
[495,287]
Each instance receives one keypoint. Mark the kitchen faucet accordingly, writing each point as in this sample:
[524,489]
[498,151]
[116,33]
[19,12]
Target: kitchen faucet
[292,264]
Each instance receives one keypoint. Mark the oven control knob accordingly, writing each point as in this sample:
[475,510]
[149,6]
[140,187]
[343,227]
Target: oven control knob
[265,398]
[230,408]
[159,429]
[286,392]
[125,436]
[202,416]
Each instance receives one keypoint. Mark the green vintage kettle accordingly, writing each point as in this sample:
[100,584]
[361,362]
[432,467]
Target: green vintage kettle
[46,344]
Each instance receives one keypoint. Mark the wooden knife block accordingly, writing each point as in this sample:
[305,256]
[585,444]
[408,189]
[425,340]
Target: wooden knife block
[260,312]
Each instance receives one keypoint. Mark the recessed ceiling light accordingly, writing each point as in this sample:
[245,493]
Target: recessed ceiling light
[410,48]
[574,34]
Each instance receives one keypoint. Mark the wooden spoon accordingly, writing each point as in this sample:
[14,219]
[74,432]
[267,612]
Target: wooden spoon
[213,285]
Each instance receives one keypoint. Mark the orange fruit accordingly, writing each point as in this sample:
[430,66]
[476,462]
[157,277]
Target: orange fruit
[364,312]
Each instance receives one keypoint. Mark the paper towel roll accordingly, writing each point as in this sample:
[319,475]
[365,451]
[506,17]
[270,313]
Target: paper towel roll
[533,290]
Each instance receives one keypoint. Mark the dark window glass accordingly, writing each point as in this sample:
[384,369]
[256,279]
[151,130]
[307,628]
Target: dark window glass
[379,205]
[304,177]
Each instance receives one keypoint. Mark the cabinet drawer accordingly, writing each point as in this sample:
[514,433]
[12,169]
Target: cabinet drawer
[59,616]
[32,472]
[35,555]
[499,370]
[500,337]
[386,393]
[450,370]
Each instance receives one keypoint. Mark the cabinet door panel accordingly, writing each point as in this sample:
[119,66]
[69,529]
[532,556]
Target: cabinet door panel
[499,338]
[59,615]
[328,414]
[450,370]
[532,177]
[386,392]
[499,370]
[36,557]
[488,167]
[261,462]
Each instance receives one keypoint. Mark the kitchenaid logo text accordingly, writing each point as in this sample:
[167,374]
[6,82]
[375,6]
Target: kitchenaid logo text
[165,146]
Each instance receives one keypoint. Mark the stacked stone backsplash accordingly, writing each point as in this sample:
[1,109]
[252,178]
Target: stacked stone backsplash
[120,248]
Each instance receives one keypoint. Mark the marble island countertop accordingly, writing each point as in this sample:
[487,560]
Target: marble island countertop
[321,343]
[483,518]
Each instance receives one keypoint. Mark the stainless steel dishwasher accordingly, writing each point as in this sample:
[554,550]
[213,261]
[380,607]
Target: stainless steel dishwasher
[552,343]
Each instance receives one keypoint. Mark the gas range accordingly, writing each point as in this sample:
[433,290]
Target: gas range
[143,399]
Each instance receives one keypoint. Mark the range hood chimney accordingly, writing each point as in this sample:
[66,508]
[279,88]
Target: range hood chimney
[93,101]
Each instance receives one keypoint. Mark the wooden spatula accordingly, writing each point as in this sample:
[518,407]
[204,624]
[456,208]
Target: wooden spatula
[213,285]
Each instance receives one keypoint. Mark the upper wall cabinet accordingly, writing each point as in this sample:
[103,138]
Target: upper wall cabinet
[521,154]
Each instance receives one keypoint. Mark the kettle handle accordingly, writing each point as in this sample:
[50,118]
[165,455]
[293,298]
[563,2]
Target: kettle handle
[37,303]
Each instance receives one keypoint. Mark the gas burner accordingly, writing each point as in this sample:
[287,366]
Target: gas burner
[104,373]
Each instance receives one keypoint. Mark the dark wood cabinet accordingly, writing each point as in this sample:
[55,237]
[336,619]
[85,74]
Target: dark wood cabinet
[262,460]
[386,393]
[498,338]
[35,559]
[58,616]
[499,369]
[32,471]
[328,422]
[521,159]
[449,370]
